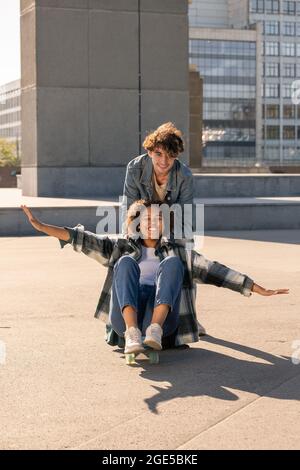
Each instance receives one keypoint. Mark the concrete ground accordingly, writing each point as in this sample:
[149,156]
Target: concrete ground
[62,387]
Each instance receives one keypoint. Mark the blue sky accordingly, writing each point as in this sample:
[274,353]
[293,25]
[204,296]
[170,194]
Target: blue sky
[10,68]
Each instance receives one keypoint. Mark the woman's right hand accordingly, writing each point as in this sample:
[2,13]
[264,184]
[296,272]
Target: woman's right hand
[33,220]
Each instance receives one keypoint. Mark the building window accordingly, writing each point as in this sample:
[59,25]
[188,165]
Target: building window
[289,70]
[272,90]
[271,28]
[288,49]
[272,111]
[271,152]
[257,6]
[289,132]
[298,132]
[289,28]
[272,6]
[288,111]
[271,48]
[272,132]
[289,153]
[288,8]
[271,69]
[287,90]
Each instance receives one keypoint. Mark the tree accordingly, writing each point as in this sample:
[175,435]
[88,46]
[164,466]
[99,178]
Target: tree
[9,154]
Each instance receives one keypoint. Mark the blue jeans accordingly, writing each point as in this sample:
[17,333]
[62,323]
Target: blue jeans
[126,290]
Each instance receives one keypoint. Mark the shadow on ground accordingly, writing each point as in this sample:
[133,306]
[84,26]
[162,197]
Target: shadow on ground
[196,372]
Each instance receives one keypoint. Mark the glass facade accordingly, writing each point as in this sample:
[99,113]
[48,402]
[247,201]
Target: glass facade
[280,20]
[228,69]
[10,111]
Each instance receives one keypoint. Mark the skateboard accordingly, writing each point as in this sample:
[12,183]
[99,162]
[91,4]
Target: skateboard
[150,354]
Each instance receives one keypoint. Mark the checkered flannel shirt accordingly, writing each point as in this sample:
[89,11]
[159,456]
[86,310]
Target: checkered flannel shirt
[198,269]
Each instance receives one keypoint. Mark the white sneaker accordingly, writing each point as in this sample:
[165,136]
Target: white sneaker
[153,336]
[133,341]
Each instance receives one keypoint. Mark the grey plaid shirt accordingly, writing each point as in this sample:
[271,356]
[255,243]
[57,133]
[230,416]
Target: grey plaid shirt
[198,269]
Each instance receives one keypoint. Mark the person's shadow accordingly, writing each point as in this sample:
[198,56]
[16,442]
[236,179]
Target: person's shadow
[199,371]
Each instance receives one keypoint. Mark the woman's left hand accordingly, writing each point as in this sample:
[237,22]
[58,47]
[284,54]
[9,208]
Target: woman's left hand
[267,292]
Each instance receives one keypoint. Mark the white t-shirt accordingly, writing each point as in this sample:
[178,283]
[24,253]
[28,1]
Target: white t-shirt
[148,264]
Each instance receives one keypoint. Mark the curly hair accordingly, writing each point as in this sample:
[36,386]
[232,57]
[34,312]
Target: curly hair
[166,136]
[137,207]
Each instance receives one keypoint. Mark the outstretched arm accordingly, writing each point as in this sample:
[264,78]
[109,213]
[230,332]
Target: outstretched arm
[52,230]
[212,272]
[92,245]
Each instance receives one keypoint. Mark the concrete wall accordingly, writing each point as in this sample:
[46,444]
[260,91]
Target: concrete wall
[8,177]
[238,13]
[96,77]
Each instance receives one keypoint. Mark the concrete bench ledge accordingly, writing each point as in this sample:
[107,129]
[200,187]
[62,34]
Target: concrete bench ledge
[220,213]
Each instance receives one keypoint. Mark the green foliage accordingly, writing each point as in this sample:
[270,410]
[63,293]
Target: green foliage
[9,154]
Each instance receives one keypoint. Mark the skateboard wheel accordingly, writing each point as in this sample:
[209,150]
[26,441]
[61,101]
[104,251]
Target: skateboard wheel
[130,359]
[153,357]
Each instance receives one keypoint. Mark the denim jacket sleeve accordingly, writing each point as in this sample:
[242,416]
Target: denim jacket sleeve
[130,194]
[187,191]
[94,246]
[185,199]
[212,272]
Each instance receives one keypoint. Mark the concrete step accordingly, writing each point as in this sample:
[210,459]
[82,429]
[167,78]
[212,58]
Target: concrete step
[205,185]
[244,185]
[219,213]
[251,213]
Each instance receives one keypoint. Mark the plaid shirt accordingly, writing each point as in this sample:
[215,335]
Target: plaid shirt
[198,269]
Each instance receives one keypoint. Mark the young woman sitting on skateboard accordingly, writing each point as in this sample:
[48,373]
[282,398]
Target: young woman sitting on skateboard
[148,292]
[160,175]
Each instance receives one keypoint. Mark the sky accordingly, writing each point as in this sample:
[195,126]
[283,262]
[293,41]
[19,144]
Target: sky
[10,68]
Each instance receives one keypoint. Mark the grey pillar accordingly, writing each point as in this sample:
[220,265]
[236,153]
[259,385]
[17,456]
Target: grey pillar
[96,76]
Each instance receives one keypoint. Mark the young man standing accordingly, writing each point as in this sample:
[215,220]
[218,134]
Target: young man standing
[159,175]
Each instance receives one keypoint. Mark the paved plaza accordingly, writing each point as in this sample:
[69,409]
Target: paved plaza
[62,387]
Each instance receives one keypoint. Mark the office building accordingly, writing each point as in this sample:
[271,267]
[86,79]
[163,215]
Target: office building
[10,111]
[277,115]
